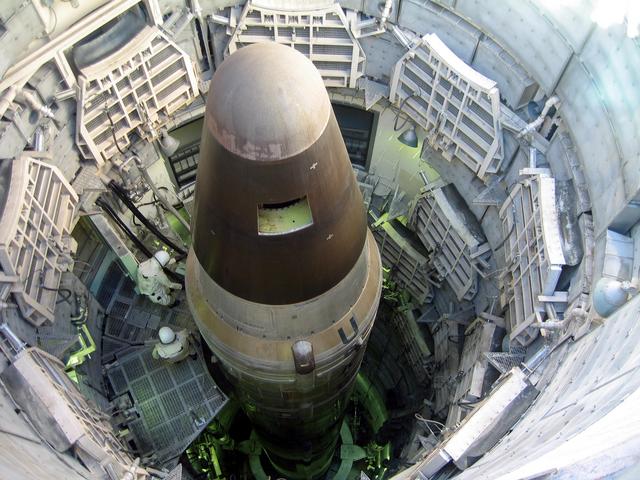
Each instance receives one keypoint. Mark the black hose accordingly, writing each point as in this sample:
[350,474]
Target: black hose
[59,290]
[406,120]
[113,127]
[132,236]
[123,226]
[64,298]
[122,195]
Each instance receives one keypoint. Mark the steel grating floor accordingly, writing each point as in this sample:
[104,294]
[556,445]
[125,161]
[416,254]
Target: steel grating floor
[132,320]
[174,402]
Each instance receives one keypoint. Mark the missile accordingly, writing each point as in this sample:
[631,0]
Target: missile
[284,277]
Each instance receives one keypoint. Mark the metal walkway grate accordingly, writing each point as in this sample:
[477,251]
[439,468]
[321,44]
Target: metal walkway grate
[502,361]
[174,401]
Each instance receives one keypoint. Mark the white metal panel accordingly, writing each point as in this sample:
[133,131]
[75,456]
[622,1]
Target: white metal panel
[426,17]
[485,416]
[514,25]
[516,85]
[18,73]
[132,92]
[35,236]
[616,79]
[618,257]
[571,19]
[408,266]
[533,253]
[458,107]
[64,416]
[455,250]
[585,382]
[322,34]
[585,116]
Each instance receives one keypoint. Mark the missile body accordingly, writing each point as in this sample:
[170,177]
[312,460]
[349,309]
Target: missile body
[284,277]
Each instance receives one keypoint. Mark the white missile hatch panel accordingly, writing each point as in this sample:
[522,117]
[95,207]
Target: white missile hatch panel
[322,35]
[458,254]
[473,381]
[35,236]
[409,267]
[132,92]
[533,253]
[37,382]
[445,335]
[458,107]
[414,348]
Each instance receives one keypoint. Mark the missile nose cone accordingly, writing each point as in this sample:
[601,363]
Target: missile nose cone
[279,217]
[283,277]
[267,102]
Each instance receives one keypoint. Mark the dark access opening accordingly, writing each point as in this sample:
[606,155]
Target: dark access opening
[356,126]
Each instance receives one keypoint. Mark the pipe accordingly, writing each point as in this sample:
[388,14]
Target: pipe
[219,19]
[555,324]
[83,311]
[7,99]
[386,11]
[533,157]
[537,358]
[121,194]
[401,36]
[155,472]
[17,344]
[38,139]
[551,102]
[132,236]
[34,102]
[65,94]
[159,195]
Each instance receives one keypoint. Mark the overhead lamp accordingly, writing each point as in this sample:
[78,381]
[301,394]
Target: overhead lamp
[610,294]
[168,144]
[409,137]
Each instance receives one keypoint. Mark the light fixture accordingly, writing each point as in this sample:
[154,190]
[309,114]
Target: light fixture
[168,144]
[610,294]
[409,137]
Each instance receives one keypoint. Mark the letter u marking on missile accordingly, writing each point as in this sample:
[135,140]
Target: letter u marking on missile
[343,336]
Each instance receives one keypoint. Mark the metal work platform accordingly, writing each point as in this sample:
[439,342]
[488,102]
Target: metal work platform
[133,91]
[458,107]
[173,402]
[415,349]
[533,253]
[322,34]
[458,252]
[35,236]
[409,268]
[474,375]
[132,319]
[446,334]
